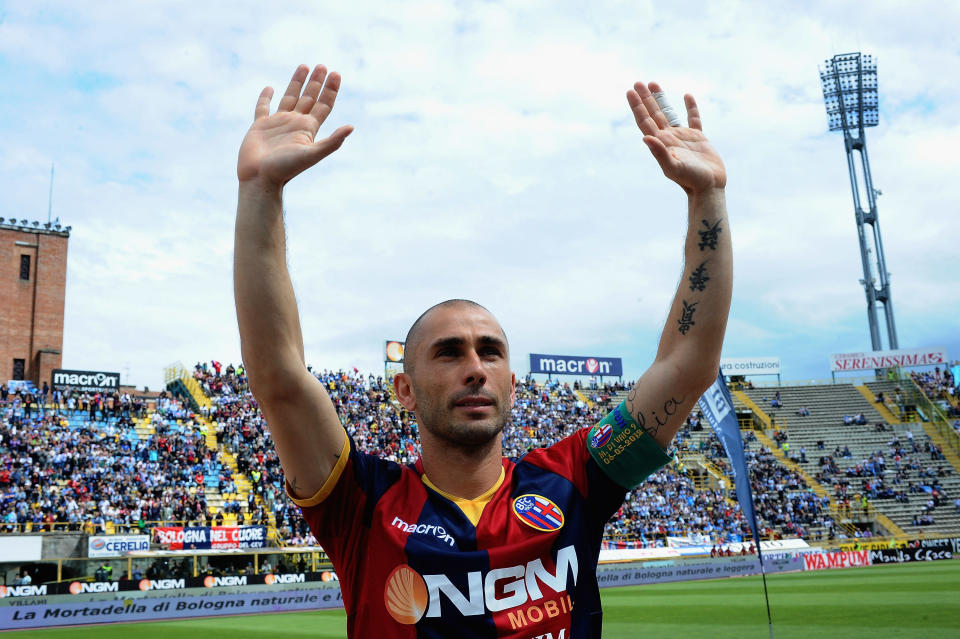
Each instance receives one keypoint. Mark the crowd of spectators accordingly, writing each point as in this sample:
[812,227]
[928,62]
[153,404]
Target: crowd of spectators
[668,504]
[785,505]
[905,479]
[78,463]
[941,387]
[78,460]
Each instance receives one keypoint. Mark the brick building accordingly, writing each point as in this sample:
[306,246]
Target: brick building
[33,279]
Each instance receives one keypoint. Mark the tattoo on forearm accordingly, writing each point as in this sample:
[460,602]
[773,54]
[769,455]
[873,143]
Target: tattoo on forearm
[699,278]
[642,423]
[670,408]
[686,317]
[293,483]
[708,238]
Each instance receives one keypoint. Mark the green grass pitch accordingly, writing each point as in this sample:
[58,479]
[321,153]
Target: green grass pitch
[880,602]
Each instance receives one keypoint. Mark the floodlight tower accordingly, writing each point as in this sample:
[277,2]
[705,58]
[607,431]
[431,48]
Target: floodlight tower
[850,92]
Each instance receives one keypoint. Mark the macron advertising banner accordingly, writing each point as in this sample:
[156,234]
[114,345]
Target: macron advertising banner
[933,356]
[84,381]
[212,537]
[575,365]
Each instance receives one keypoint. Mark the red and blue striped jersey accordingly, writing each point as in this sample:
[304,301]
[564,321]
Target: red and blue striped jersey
[411,563]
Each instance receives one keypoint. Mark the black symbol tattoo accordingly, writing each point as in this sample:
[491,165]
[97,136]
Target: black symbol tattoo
[686,318]
[708,238]
[699,278]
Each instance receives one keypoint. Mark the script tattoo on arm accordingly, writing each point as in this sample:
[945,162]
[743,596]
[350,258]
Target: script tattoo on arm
[699,278]
[670,408]
[638,416]
[686,316]
[708,238]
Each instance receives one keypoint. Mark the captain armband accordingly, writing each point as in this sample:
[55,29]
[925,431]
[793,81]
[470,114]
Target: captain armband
[625,452]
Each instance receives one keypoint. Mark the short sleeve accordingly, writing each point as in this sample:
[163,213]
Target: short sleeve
[343,506]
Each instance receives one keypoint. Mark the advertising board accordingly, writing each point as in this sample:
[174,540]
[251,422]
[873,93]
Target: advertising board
[63,613]
[206,537]
[839,559]
[393,351]
[575,365]
[21,548]
[888,359]
[909,555]
[116,545]
[750,365]
[85,381]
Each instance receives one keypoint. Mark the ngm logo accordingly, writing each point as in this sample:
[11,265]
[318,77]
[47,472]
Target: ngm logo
[212,582]
[80,587]
[23,591]
[162,584]
[410,596]
[285,579]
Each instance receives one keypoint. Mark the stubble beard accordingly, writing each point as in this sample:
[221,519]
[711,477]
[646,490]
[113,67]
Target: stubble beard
[467,435]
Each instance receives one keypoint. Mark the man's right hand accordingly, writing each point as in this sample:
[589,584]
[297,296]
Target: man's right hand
[278,147]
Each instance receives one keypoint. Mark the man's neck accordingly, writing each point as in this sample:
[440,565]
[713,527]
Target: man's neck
[464,473]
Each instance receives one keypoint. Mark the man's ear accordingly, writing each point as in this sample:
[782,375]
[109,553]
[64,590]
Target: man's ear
[513,389]
[404,390]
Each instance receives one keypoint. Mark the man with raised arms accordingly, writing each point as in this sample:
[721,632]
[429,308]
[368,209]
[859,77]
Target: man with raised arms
[465,542]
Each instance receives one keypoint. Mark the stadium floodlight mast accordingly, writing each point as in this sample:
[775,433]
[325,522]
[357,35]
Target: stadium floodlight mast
[850,93]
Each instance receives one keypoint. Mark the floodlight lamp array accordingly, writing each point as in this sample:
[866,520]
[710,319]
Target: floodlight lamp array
[850,91]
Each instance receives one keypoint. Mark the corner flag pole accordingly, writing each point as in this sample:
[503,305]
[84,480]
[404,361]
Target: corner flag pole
[717,406]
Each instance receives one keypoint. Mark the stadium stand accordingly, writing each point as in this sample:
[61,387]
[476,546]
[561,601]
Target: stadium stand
[670,504]
[890,473]
[204,457]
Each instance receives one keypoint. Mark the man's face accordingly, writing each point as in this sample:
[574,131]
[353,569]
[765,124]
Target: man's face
[460,385]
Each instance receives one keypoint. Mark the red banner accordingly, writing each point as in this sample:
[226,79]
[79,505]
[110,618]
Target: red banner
[213,537]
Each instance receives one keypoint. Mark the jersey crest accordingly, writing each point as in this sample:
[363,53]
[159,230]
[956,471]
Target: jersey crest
[538,512]
[601,436]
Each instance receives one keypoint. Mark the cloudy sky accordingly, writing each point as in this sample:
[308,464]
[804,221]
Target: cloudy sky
[494,158]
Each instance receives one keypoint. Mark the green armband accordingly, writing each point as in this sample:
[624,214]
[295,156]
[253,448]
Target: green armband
[625,452]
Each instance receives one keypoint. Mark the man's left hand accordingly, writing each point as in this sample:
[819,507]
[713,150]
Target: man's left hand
[684,153]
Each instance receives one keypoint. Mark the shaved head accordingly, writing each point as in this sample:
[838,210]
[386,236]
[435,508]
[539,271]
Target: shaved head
[414,335]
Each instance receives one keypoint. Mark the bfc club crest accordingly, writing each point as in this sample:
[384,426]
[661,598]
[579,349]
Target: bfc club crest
[601,436]
[538,512]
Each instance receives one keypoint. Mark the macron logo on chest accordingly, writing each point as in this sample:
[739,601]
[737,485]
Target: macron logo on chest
[434,530]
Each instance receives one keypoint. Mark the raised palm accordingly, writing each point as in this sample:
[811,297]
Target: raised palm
[684,153]
[278,147]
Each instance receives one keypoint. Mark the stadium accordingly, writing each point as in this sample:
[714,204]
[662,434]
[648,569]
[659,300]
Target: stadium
[813,489]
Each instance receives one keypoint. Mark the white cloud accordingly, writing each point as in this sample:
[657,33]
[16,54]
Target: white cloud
[494,157]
